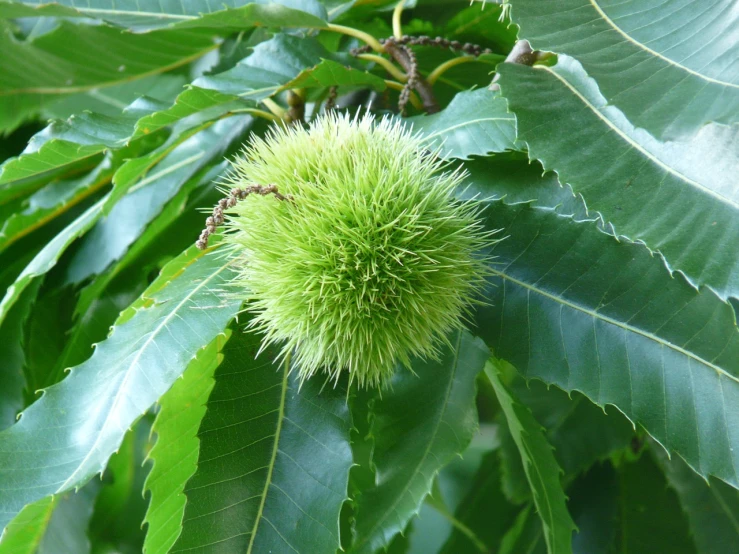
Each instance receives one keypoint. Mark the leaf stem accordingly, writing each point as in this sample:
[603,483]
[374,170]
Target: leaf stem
[275,108]
[356,33]
[466,531]
[397,12]
[258,113]
[413,97]
[442,68]
[387,64]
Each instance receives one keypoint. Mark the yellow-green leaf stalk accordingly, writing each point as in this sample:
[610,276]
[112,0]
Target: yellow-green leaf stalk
[366,259]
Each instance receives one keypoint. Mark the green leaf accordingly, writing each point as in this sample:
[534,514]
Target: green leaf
[27,530]
[206,104]
[111,100]
[475,123]
[541,468]
[12,355]
[712,508]
[484,510]
[69,60]
[54,199]
[49,255]
[120,505]
[64,143]
[329,73]
[514,482]
[282,62]
[274,461]
[666,65]
[52,525]
[175,454]
[679,198]
[68,435]
[272,64]
[593,503]
[130,216]
[193,13]
[649,518]
[67,530]
[526,534]
[419,425]
[577,308]
[513,177]
[580,432]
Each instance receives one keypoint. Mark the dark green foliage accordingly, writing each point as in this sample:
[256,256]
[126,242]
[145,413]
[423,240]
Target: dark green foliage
[607,159]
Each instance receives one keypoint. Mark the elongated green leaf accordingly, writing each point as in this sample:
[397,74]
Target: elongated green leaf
[175,454]
[475,123]
[112,99]
[129,217]
[274,460]
[12,354]
[205,104]
[418,427]
[52,200]
[229,14]
[667,65]
[67,436]
[272,64]
[73,59]
[680,198]
[49,256]
[64,143]
[712,508]
[576,308]
[541,468]
[329,73]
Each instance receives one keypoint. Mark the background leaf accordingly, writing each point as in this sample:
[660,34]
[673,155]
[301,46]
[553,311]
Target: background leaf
[72,59]
[194,13]
[712,508]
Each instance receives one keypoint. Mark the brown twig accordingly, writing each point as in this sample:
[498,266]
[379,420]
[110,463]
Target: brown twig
[423,40]
[236,194]
[407,60]
[331,98]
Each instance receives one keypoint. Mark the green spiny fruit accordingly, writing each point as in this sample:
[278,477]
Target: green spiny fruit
[364,259]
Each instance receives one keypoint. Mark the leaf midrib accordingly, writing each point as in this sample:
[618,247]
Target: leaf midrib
[149,340]
[606,319]
[465,124]
[273,457]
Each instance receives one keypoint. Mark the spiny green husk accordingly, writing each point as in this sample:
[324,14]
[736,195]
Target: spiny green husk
[371,262]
